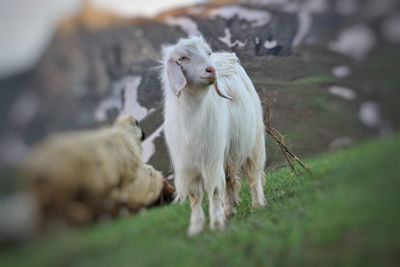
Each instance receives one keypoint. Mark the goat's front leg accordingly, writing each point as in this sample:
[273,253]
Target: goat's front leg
[187,183]
[216,202]
[216,210]
[197,217]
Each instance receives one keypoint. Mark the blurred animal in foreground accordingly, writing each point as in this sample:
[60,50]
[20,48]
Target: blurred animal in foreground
[82,176]
[213,128]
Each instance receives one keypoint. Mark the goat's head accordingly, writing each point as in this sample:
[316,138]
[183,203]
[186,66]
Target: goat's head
[188,64]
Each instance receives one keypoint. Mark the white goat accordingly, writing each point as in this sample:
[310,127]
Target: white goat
[211,139]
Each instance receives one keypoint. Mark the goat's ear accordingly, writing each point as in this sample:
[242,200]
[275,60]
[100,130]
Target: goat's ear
[175,76]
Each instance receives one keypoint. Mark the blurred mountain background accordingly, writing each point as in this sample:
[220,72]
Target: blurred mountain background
[329,67]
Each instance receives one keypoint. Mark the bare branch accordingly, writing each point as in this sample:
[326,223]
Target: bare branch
[279,138]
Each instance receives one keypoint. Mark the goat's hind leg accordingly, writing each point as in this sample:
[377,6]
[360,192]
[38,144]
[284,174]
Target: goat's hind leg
[231,192]
[255,176]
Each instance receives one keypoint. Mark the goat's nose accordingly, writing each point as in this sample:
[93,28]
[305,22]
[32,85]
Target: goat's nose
[210,70]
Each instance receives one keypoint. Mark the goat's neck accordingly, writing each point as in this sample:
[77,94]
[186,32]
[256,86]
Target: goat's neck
[195,95]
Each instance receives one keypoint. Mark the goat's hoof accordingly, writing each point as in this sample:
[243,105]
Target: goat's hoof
[259,204]
[230,212]
[217,225]
[194,229]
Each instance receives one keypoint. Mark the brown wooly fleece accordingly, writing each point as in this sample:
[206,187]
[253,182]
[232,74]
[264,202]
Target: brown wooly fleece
[78,177]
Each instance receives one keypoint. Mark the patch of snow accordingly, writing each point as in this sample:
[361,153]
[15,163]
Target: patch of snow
[356,41]
[343,92]
[12,150]
[270,44]
[19,217]
[304,21]
[391,28]
[148,146]
[341,71]
[227,39]
[340,142]
[369,114]
[132,106]
[186,24]
[257,17]
[24,109]
[124,98]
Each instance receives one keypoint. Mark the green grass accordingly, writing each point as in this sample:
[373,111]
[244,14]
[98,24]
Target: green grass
[346,213]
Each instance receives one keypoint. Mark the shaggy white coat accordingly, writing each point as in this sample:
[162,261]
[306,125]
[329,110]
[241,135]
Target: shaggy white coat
[210,138]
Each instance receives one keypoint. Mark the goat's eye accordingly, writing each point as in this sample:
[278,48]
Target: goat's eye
[183,58]
[209,53]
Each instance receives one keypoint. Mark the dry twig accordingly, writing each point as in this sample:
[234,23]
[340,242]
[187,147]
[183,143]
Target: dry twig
[280,139]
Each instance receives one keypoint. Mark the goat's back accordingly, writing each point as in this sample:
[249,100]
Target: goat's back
[246,123]
[92,160]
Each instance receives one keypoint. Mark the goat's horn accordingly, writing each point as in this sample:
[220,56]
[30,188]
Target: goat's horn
[219,92]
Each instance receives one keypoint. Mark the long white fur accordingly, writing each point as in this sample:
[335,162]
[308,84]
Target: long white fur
[212,139]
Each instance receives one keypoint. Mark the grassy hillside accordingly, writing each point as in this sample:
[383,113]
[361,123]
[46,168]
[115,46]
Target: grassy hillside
[345,213]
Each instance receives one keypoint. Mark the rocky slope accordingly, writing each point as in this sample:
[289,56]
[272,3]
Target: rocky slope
[330,69]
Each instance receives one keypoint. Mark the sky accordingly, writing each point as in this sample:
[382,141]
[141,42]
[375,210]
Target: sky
[27,26]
